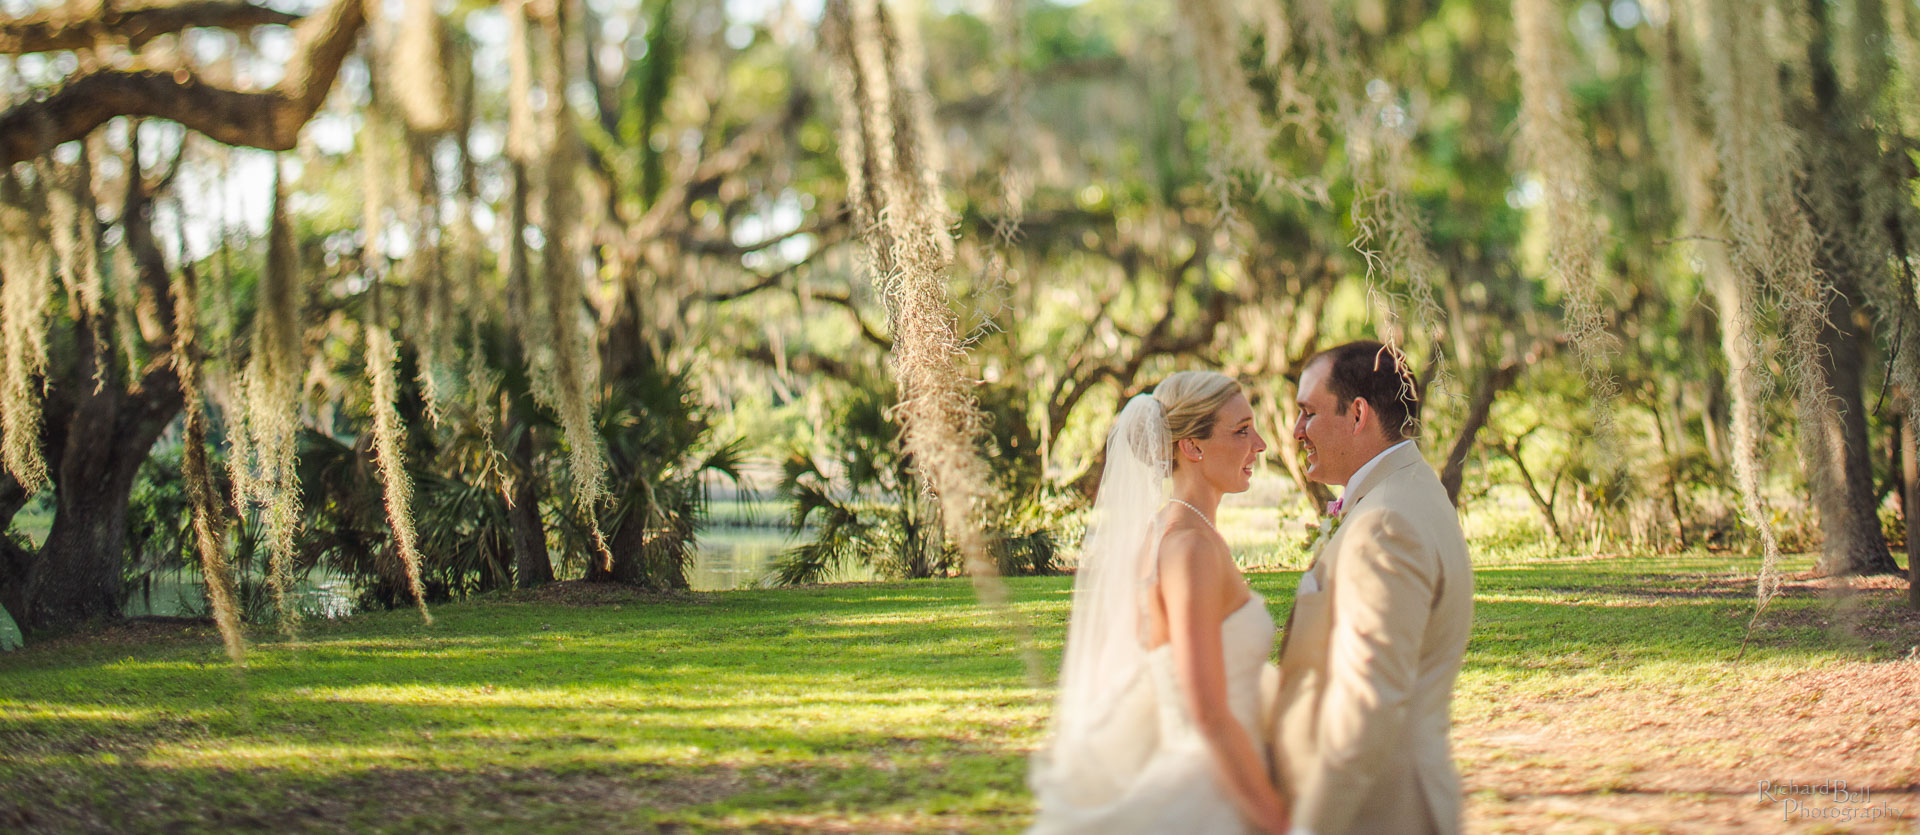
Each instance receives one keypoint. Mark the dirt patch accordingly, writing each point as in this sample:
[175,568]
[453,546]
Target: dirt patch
[141,631]
[1808,581]
[1822,749]
[1867,611]
[507,800]
[1870,617]
[1830,749]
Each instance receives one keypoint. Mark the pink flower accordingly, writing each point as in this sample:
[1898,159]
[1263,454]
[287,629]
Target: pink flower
[1333,507]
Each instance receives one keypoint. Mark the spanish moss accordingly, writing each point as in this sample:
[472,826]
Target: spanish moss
[432,330]
[570,364]
[209,512]
[1388,231]
[897,203]
[1556,150]
[1771,236]
[419,58]
[1242,137]
[389,436]
[271,387]
[70,205]
[1735,292]
[23,328]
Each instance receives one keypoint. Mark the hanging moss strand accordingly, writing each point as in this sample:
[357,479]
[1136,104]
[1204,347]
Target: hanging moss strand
[25,270]
[886,147]
[209,513]
[389,442]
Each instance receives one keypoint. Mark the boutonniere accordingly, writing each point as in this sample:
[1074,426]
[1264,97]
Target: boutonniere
[1328,524]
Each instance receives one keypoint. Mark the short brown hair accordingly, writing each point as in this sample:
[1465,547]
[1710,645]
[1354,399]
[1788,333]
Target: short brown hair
[1378,374]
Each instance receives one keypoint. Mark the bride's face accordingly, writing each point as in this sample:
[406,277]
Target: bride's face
[1226,458]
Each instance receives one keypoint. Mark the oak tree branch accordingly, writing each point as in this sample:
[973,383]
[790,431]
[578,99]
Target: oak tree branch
[84,24]
[270,120]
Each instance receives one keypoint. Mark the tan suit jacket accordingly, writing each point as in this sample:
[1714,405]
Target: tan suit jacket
[1369,660]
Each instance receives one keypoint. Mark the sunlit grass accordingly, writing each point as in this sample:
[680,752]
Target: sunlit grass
[872,706]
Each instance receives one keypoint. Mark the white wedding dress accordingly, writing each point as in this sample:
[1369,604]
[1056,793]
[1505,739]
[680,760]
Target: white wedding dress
[1123,754]
[1160,775]
[1180,790]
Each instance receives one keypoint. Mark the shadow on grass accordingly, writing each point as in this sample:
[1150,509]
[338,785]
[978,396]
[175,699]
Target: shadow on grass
[899,705]
[822,702]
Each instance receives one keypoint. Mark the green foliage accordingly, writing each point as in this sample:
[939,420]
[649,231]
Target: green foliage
[765,328]
[865,504]
[159,524]
[461,518]
[346,529]
[861,504]
[163,568]
[661,451]
[660,448]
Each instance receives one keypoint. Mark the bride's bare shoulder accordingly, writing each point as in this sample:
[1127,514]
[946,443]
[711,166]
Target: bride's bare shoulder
[1185,544]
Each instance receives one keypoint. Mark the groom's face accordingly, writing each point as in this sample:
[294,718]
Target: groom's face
[1331,433]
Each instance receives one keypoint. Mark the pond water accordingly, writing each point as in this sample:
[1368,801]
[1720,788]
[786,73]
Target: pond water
[743,557]
[9,632]
[731,557]
[321,594]
[737,557]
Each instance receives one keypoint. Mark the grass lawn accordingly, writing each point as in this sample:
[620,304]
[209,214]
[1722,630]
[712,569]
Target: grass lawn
[1600,694]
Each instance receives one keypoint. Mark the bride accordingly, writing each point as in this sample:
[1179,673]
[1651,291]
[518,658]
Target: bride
[1156,727]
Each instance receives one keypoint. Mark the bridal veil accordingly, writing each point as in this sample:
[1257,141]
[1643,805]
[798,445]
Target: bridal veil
[1104,726]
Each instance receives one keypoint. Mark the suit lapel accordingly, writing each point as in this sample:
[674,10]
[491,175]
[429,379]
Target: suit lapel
[1395,461]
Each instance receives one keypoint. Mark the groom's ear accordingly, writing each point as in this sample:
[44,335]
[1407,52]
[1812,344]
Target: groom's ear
[1361,410]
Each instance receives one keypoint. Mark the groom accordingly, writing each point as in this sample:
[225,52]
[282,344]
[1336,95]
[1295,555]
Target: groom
[1380,620]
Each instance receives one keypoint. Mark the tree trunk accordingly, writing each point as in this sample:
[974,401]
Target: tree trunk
[625,545]
[638,559]
[1714,412]
[651,540]
[1896,482]
[531,567]
[627,548]
[15,561]
[918,515]
[1910,508]
[1672,447]
[1843,488]
[76,576]
[1491,383]
[1853,542]
[1541,502]
[98,430]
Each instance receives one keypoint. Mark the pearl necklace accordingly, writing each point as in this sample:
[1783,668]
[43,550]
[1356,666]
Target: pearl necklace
[1196,512]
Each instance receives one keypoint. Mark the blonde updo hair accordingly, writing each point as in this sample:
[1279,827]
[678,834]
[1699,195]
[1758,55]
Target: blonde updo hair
[1192,400]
